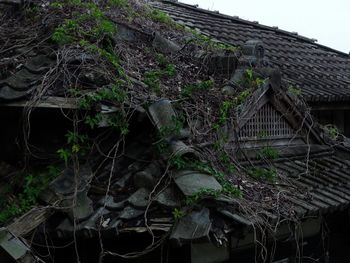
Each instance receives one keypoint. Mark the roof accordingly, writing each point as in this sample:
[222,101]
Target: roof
[322,73]
[140,193]
[321,178]
[154,143]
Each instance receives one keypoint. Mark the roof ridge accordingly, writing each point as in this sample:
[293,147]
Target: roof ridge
[257,24]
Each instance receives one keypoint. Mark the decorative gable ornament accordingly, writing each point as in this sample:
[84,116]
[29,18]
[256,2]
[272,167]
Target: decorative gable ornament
[253,53]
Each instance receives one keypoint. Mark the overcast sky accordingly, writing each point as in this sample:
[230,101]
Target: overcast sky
[328,21]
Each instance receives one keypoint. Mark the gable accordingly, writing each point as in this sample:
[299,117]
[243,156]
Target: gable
[266,123]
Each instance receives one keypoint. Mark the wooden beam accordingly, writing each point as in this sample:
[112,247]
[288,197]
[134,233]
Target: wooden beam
[11,2]
[29,221]
[327,106]
[47,102]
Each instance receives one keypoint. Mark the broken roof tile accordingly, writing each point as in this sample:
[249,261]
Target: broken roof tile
[108,202]
[192,182]
[17,249]
[192,227]
[130,213]
[139,199]
[168,198]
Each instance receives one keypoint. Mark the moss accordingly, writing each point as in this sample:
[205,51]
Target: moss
[160,16]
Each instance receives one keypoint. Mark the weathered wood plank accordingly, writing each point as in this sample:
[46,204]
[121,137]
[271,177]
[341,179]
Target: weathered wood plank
[48,102]
[29,221]
[11,2]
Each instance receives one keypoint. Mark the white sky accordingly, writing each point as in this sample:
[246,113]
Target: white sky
[328,21]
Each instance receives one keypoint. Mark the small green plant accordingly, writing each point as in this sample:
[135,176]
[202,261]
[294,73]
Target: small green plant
[227,187]
[224,157]
[249,72]
[73,2]
[74,30]
[103,27]
[294,91]
[162,60]
[162,147]
[210,44]
[76,143]
[178,214]
[226,160]
[93,120]
[224,111]
[219,144]
[332,131]
[32,11]
[262,134]
[249,81]
[228,105]
[108,54]
[231,190]
[112,94]
[56,5]
[269,174]
[61,36]
[178,162]
[268,152]
[173,129]
[188,90]
[160,16]
[34,183]
[201,194]
[118,3]
[64,154]
[152,80]
[169,71]
[242,96]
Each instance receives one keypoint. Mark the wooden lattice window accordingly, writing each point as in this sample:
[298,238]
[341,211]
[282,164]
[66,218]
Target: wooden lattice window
[267,123]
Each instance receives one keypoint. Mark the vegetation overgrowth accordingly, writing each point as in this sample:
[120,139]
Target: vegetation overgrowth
[98,68]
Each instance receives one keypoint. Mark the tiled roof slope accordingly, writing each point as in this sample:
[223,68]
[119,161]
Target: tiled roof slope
[327,182]
[322,73]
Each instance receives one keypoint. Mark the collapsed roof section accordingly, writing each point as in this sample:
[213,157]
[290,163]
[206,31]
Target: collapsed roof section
[64,53]
[323,74]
